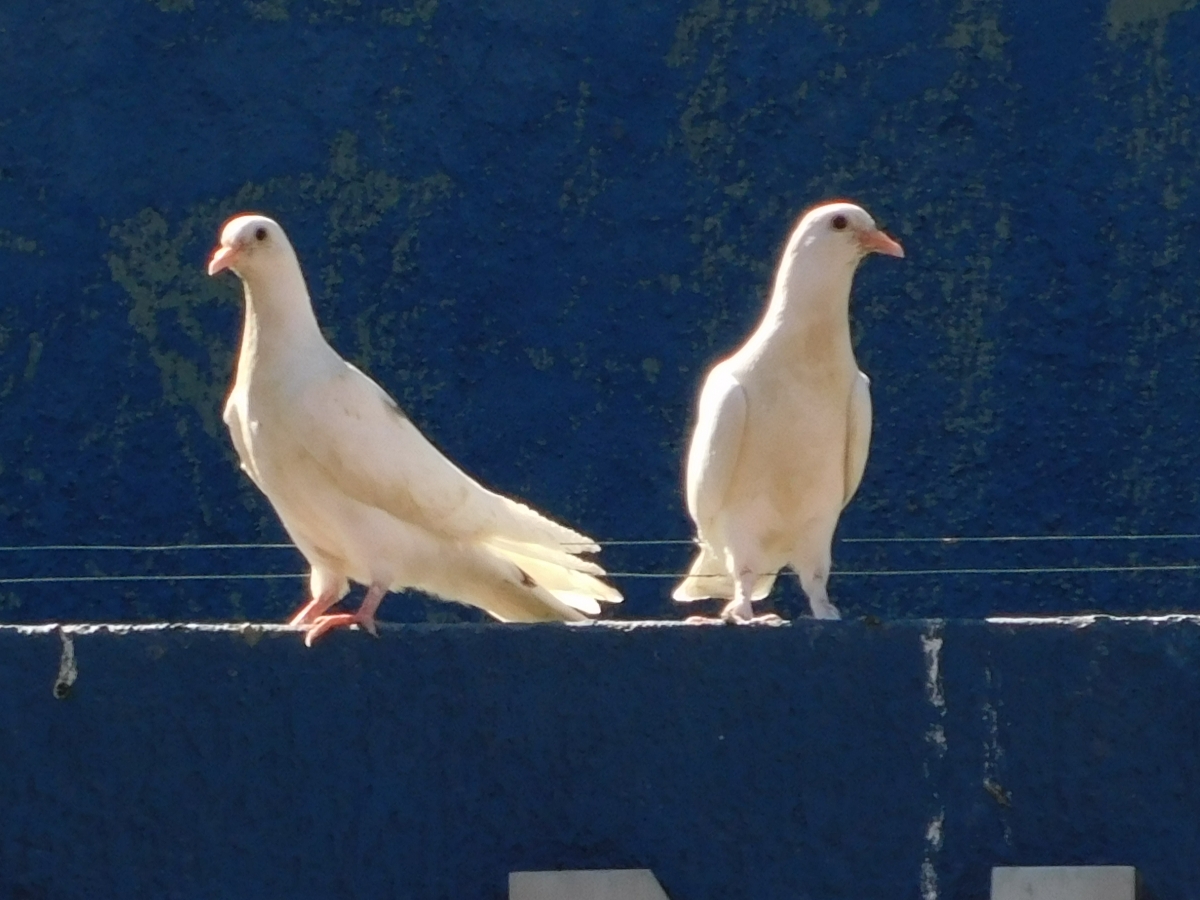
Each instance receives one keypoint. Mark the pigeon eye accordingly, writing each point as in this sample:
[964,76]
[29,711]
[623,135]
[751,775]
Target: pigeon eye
[839,222]
[261,234]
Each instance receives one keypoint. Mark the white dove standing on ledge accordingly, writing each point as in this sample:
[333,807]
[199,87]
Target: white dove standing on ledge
[784,424]
[363,494]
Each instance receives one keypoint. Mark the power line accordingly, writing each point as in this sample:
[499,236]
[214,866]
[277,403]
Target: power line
[1023,538]
[142,548]
[847,573]
[653,542]
[1021,570]
[84,579]
[893,573]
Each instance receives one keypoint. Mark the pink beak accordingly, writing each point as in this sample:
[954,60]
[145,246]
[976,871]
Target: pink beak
[878,242]
[222,259]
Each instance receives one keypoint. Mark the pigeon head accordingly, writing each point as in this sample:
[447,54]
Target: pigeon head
[249,243]
[842,230]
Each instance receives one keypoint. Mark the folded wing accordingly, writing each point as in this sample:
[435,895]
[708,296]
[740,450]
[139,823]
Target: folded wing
[372,452]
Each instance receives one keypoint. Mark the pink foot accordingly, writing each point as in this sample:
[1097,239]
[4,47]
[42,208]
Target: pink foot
[364,618]
[308,611]
[323,624]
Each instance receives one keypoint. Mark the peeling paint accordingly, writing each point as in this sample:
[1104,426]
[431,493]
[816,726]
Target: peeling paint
[931,646]
[933,847]
[68,671]
[932,641]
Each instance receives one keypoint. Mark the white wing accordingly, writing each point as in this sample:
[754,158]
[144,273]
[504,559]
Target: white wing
[233,421]
[373,453]
[716,443]
[858,434]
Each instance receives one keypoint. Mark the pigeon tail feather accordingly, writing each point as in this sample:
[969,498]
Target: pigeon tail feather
[577,589]
[708,579]
[500,588]
[561,557]
[526,525]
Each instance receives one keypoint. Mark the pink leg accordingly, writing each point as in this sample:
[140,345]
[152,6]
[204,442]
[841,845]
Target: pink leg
[364,617]
[314,608]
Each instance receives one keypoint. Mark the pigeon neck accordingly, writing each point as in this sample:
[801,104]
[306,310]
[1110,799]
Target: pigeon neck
[280,305]
[279,317]
[806,297]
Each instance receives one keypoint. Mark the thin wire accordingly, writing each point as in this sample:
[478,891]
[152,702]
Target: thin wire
[1012,538]
[1031,570]
[83,579]
[161,548]
[1009,538]
[848,573]
[152,548]
[648,543]
[887,573]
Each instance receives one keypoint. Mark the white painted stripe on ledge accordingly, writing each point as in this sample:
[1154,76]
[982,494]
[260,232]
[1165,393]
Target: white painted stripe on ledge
[241,628]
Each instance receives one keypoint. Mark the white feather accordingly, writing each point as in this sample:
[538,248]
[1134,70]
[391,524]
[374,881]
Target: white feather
[365,496]
[783,425]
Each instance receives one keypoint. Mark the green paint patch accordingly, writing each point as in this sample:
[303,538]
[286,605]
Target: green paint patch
[269,10]
[1141,15]
[540,357]
[18,244]
[977,29]
[650,368]
[419,12]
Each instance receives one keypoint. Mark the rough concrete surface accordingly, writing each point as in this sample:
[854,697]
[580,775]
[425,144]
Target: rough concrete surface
[816,760]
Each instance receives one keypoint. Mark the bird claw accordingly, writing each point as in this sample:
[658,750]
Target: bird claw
[323,624]
[764,619]
[737,611]
[705,620]
[730,617]
[742,613]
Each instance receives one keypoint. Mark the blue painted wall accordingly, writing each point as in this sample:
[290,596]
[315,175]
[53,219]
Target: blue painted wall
[799,763]
[537,223]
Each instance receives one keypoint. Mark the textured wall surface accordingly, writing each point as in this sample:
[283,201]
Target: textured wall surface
[537,223]
[809,762]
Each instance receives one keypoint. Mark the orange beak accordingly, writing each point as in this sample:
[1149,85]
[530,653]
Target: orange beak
[222,259]
[878,242]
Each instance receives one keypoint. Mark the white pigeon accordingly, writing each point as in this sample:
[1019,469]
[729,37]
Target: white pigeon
[784,424]
[362,493]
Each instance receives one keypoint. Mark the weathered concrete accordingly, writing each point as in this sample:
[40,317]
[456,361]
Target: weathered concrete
[816,760]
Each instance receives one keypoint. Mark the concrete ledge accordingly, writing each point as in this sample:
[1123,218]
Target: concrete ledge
[867,759]
[242,628]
